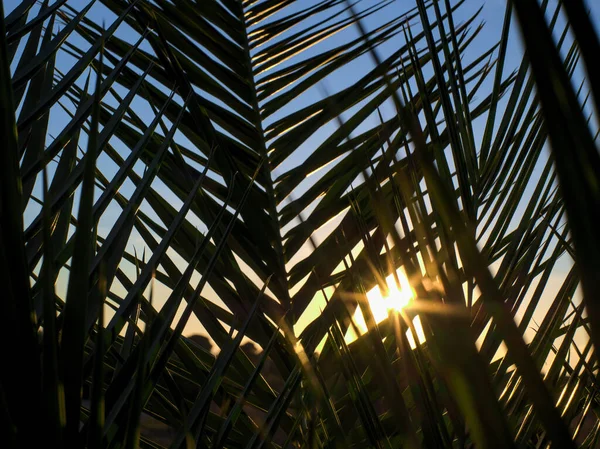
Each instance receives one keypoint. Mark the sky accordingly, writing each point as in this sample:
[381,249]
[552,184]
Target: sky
[492,15]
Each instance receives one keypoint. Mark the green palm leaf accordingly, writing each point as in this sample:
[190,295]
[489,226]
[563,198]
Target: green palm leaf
[301,153]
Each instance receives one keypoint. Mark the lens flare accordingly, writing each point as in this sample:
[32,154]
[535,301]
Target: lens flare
[380,305]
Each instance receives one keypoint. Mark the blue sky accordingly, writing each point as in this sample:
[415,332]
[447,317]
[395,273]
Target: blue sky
[492,14]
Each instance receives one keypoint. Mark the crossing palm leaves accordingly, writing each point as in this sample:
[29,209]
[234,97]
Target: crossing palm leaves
[256,169]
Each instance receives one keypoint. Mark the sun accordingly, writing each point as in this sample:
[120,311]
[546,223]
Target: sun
[396,299]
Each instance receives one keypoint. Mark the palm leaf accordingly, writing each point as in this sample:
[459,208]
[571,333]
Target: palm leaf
[300,153]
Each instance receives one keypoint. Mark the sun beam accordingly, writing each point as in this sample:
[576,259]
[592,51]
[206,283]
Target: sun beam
[396,299]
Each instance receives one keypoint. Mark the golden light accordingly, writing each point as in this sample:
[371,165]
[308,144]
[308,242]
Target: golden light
[396,299]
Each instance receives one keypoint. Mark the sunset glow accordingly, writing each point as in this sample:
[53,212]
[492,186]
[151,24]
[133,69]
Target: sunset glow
[396,299]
